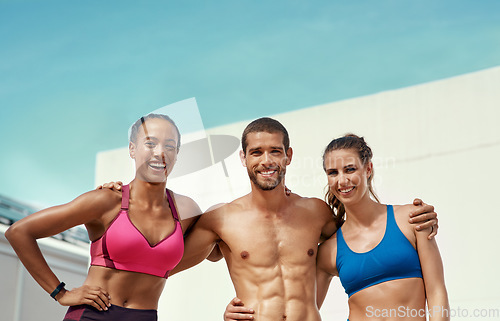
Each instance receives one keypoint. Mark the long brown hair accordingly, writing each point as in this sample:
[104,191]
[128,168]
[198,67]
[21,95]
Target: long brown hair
[348,141]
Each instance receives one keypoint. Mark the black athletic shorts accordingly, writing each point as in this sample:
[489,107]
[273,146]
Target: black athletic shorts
[114,313]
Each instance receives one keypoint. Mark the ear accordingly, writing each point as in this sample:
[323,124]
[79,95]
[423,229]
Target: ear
[131,150]
[289,154]
[369,169]
[243,158]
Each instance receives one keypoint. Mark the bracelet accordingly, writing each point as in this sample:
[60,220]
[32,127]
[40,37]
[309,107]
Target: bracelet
[57,290]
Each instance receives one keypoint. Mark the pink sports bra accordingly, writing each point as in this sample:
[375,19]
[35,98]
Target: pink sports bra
[124,247]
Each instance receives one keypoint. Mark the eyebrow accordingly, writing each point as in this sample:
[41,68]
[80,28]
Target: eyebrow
[346,166]
[154,138]
[259,147]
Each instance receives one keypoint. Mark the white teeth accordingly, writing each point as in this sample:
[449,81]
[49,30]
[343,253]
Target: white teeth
[267,172]
[346,190]
[157,165]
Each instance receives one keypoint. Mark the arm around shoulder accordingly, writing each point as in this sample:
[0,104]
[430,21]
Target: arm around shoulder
[325,213]
[199,242]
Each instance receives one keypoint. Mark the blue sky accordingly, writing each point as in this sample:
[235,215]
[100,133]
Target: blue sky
[75,74]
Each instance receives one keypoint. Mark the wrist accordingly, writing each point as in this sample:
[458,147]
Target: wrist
[60,294]
[58,291]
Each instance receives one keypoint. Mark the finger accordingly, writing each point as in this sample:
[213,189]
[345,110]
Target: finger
[424,208]
[428,224]
[417,202]
[96,298]
[99,296]
[434,232]
[93,303]
[239,309]
[238,316]
[423,218]
[236,301]
[104,296]
[98,187]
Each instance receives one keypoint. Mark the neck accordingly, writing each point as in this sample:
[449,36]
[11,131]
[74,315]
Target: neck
[363,212]
[151,193]
[271,200]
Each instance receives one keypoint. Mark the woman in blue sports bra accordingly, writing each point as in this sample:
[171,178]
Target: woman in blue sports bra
[388,269]
[137,235]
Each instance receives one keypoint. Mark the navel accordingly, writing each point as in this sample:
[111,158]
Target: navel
[245,255]
[310,252]
[284,317]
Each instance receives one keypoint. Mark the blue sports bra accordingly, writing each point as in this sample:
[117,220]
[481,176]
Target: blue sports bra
[393,258]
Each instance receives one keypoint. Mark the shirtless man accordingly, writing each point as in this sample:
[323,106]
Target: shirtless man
[269,237]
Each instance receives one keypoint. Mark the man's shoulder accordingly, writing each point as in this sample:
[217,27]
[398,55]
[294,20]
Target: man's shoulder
[313,203]
[225,208]
[312,206]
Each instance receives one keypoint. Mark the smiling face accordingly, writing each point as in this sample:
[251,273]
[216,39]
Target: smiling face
[347,176]
[265,159]
[154,150]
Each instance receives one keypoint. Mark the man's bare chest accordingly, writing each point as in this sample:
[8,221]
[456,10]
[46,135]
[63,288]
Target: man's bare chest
[269,240]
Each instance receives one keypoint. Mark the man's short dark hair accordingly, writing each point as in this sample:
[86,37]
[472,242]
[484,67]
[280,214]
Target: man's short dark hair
[268,125]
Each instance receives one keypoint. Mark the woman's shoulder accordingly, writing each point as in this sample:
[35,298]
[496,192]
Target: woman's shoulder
[102,199]
[186,206]
[402,218]
[403,210]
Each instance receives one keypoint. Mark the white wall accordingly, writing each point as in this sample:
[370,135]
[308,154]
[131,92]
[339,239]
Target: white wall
[438,141]
[22,298]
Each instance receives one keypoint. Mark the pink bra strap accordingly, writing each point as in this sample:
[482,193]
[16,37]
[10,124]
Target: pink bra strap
[125,196]
[171,204]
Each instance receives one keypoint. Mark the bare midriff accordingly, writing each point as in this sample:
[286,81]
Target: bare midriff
[127,289]
[406,297]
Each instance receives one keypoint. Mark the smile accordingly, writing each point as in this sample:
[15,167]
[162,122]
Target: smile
[157,166]
[267,173]
[346,190]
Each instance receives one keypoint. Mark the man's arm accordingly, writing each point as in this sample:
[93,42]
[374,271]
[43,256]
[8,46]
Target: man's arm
[323,211]
[325,268]
[199,243]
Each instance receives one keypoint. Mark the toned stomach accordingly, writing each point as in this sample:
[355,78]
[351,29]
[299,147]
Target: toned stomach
[402,299]
[279,296]
[128,289]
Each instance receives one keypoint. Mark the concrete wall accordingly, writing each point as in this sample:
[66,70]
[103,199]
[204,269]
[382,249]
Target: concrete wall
[22,299]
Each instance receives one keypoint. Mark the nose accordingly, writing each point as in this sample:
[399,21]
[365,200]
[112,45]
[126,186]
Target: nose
[159,152]
[343,180]
[267,159]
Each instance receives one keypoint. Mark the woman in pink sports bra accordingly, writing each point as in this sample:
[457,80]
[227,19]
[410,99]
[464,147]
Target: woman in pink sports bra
[136,235]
